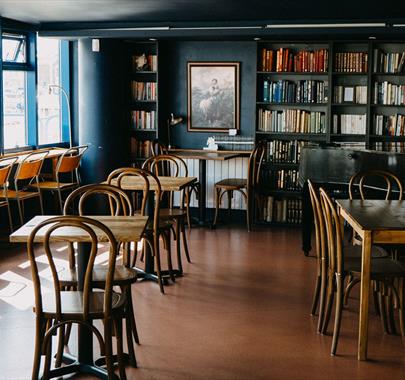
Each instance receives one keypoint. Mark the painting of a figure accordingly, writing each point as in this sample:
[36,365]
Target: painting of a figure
[213,96]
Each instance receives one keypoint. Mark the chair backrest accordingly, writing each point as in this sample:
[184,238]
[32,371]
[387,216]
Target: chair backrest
[30,166]
[158,148]
[119,202]
[166,165]
[334,233]
[6,164]
[381,181]
[70,160]
[318,222]
[89,226]
[255,164]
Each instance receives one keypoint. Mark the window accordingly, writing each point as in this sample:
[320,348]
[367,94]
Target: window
[14,48]
[14,108]
[49,94]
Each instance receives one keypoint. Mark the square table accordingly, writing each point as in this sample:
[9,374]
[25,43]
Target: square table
[377,222]
[125,229]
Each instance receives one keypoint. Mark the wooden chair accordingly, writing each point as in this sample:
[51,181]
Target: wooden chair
[57,308]
[246,186]
[156,227]
[170,165]
[6,165]
[124,276]
[67,167]
[383,270]
[26,181]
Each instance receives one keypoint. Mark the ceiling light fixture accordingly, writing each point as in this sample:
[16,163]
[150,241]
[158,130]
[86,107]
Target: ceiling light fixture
[343,25]
[215,27]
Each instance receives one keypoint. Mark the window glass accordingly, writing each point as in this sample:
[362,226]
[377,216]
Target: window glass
[49,94]
[14,108]
[14,48]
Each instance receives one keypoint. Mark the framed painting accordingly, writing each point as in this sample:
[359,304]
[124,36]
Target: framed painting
[213,96]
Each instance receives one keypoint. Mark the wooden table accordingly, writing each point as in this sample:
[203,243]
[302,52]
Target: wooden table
[377,222]
[203,156]
[125,229]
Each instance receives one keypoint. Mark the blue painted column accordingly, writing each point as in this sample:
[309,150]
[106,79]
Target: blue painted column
[102,91]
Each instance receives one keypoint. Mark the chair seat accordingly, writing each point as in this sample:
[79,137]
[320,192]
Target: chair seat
[53,185]
[172,213]
[122,276]
[232,183]
[354,251]
[72,304]
[381,268]
[13,194]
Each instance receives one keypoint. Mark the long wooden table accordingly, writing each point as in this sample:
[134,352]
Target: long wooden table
[125,229]
[203,156]
[377,222]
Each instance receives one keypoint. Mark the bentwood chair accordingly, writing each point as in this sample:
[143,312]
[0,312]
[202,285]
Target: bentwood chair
[26,182]
[383,271]
[173,166]
[66,173]
[6,165]
[55,309]
[117,203]
[156,228]
[246,186]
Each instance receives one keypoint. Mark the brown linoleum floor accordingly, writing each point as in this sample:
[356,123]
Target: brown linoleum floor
[241,312]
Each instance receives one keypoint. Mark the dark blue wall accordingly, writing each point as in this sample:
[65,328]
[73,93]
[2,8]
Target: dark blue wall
[173,58]
[101,91]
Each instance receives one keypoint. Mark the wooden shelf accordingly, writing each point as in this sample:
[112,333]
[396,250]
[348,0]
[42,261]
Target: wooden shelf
[293,136]
[300,73]
[349,73]
[292,104]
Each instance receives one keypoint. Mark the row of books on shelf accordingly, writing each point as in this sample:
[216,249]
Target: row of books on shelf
[303,91]
[389,125]
[143,90]
[286,60]
[387,93]
[141,119]
[291,121]
[349,124]
[280,210]
[281,179]
[388,146]
[351,62]
[388,62]
[283,151]
[141,148]
[350,94]
[144,62]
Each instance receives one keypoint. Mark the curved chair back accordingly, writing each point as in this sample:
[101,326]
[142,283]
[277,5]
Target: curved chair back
[30,166]
[6,164]
[255,164]
[158,148]
[70,160]
[334,233]
[318,222]
[393,186]
[96,232]
[120,203]
[166,165]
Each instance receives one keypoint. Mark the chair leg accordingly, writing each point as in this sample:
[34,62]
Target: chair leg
[329,303]
[169,254]
[61,342]
[185,245]
[188,208]
[248,216]
[60,201]
[20,211]
[217,202]
[322,295]
[401,306]
[338,313]
[120,348]
[158,267]
[39,337]
[108,348]
[230,196]
[315,299]
[132,315]
[349,287]
[10,219]
[383,317]
[177,229]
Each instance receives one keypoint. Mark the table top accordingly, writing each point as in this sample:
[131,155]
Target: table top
[166,183]
[124,228]
[206,155]
[52,152]
[375,215]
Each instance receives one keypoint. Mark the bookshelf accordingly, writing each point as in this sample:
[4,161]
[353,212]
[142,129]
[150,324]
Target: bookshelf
[292,107]
[143,99]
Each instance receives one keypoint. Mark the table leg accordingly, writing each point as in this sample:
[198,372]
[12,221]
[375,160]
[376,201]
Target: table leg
[364,296]
[202,177]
